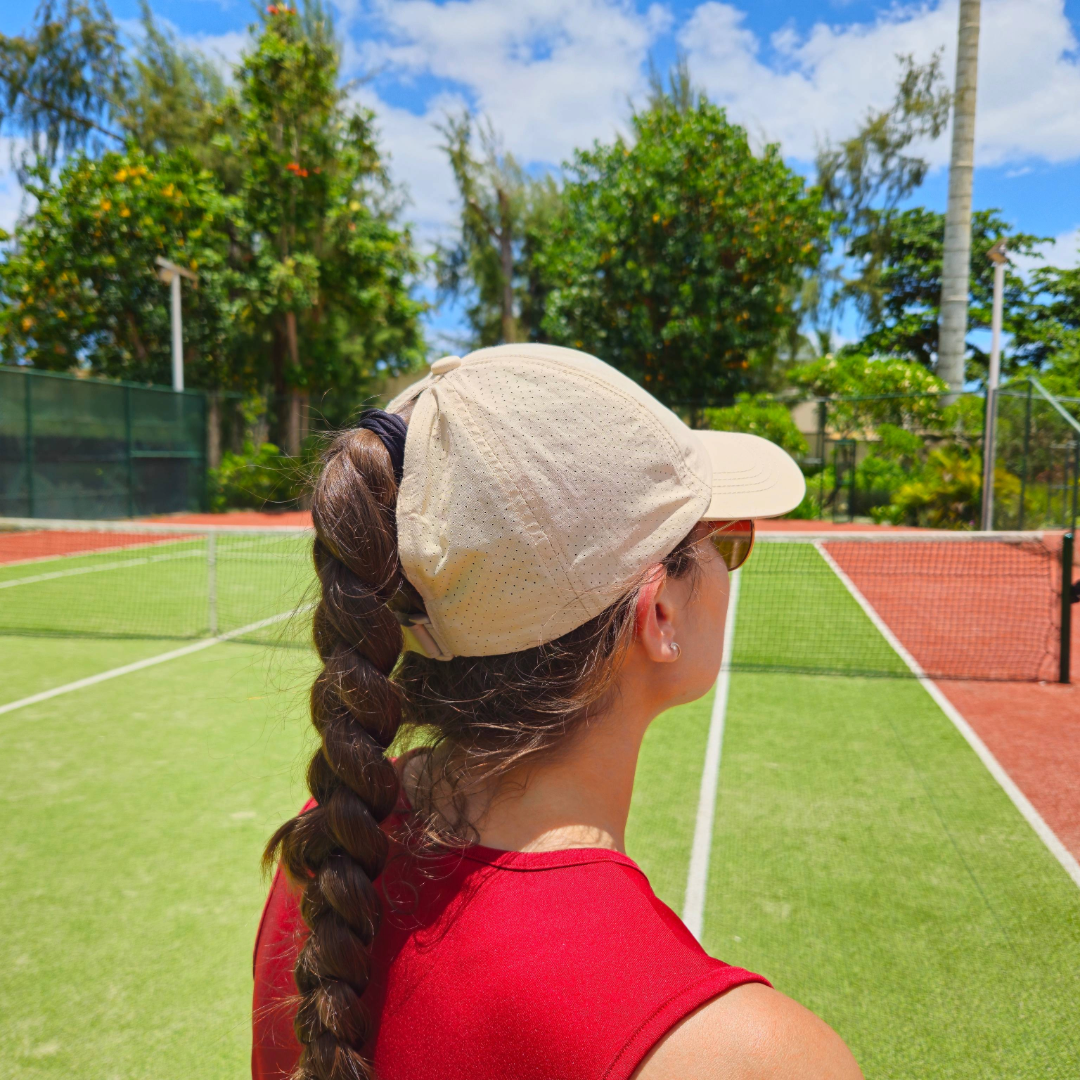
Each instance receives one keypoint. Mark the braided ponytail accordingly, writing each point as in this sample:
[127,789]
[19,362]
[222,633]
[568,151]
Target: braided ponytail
[335,851]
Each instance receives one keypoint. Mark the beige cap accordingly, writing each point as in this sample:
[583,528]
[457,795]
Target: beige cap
[540,482]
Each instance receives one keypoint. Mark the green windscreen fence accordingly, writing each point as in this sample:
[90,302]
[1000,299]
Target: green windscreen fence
[85,448]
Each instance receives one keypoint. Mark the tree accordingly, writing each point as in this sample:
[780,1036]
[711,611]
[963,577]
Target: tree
[172,96]
[79,285]
[901,302]
[62,84]
[863,181]
[504,212]
[675,252]
[1046,331]
[327,275]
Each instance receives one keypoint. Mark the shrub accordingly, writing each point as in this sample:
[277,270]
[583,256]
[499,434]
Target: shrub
[256,480]
[758,414]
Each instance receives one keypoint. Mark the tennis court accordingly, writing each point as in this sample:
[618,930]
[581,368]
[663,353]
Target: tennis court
[862,855]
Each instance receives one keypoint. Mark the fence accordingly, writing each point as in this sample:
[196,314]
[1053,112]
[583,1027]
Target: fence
[1037,463]
[74,447]
[917,459]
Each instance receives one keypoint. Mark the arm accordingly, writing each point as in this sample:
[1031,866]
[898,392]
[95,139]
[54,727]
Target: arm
[750,1033]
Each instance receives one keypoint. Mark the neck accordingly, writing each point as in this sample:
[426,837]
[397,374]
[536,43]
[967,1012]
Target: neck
[578,798]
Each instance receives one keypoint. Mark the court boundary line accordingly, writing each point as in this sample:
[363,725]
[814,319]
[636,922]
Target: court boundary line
[697,875]
[1027,811]
[139,665]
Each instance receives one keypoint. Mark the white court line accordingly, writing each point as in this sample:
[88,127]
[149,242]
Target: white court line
[693,914]
[150,661]
[98,568]
[121,564]
[1019,799]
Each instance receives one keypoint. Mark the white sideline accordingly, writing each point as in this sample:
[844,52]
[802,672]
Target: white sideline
[1019,799]
[697,877]
[150,661]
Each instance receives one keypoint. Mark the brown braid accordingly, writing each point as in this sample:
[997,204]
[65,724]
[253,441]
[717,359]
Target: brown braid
[335,851]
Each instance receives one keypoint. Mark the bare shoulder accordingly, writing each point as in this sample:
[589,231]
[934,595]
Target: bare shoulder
[750,1033]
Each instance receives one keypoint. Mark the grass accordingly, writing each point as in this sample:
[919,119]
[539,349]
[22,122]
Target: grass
[134,815]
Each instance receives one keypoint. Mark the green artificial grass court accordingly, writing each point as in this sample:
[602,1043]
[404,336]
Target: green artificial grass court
[135,812]
[160,589]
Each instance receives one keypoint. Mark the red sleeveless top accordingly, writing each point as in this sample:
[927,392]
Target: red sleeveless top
[502,965]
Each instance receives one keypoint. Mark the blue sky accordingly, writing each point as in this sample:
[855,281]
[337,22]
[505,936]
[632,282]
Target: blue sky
[555,74]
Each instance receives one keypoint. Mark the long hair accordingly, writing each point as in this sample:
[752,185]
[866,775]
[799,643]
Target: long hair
[480,716]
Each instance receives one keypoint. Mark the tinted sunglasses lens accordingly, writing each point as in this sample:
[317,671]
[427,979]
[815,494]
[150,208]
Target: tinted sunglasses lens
[734,542]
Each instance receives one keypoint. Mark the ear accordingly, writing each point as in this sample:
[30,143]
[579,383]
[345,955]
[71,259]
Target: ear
[655,613]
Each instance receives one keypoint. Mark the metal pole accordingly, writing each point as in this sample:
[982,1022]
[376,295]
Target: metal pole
[1076,481]
[997,255]
[956,256]
[29,453]
[1024,464]
[211,582]
[1065,648]
[177,336]
[823,410]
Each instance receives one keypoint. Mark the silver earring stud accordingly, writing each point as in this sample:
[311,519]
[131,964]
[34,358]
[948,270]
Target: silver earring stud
[676,649]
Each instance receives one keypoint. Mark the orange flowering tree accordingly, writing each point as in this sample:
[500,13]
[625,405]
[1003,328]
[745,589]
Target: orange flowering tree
[677,253]
[79,283]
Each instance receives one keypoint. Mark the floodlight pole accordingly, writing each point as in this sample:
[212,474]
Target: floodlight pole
[1000,260]
[171,274]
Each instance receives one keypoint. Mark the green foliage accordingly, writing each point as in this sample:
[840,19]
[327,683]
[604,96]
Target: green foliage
[1046,333]
[948,495]
[899,289]
[173,96]
[326,274]
[255,479]
[759,414]
[505,213]
[675,254]
[864,178]
[80,285]
[283,209]
[891,391]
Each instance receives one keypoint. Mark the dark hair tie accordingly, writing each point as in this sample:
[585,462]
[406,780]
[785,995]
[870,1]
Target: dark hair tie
[392,430]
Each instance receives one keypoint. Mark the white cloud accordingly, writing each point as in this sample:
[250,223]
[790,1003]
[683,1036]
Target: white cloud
[821,84]
[416,161]
[13,200]
[551,74]
[1063,251]
[223,49]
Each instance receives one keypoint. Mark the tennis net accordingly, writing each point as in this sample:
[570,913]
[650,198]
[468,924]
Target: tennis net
[949,605]
[154,580]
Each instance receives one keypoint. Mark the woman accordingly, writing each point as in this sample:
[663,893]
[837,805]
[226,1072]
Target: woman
[522,564]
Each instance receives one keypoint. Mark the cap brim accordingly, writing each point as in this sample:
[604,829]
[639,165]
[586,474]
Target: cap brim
[751,477]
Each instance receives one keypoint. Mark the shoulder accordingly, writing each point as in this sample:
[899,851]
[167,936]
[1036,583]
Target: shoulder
[752,1032]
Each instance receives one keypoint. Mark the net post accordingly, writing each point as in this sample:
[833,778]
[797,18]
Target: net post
[1065,647]
[211,582]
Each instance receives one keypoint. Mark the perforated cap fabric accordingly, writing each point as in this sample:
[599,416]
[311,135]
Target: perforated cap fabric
[540,483]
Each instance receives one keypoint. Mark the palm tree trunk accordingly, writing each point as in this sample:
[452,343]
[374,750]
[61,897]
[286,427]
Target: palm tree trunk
[956,260]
